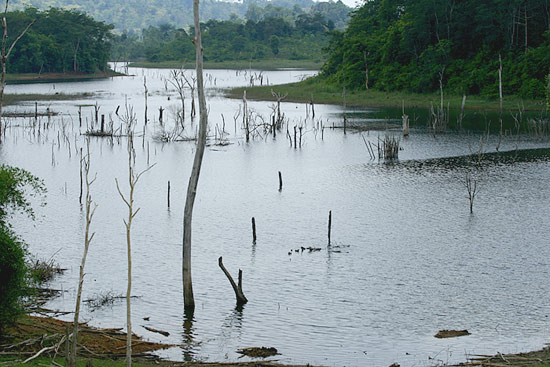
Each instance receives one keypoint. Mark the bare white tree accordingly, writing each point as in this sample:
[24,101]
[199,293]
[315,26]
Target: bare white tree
[90,211]
[133,179]
[188,298]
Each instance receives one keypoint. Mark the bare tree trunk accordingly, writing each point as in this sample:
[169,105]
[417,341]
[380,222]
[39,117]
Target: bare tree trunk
[133,179]
[344,105]
[146,92]
[365,53]
[461,116]
[188,298]
[500,98]
[238,289]
[87,240]
[75,53]
[4,54]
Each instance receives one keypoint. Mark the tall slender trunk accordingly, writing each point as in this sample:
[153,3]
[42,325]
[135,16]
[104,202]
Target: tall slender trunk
[188,298]
[87,240]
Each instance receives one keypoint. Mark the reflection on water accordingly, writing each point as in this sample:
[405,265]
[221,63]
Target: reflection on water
[406,258]
[188,345]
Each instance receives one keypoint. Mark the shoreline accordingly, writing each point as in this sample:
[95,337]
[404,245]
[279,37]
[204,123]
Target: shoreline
[325,93]
[57,77]
[267,64]
[39,340]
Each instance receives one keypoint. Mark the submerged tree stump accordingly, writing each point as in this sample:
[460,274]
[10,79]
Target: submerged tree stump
[238,289]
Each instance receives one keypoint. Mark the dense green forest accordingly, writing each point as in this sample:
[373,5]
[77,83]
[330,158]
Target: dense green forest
[135,15]
[228,40]
[58,41]
[415,45]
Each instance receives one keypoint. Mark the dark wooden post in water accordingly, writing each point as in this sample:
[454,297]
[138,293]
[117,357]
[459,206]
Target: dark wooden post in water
[295,137]
[345,117]
[238,289]
[168,193]
[81,158]
[253,230]
[102,123]
[80,116]
[280,181]
[329,224]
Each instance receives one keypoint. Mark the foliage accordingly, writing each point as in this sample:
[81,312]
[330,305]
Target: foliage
[408,45]
[230,40]
[58,41]
[133,16]
[13,270]
[12,276]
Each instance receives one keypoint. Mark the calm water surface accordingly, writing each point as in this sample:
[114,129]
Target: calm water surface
[406,259]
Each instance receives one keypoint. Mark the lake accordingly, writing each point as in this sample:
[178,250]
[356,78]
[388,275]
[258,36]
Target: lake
[406,258]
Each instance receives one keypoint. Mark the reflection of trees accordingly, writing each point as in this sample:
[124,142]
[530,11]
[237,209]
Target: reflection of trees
[188,344]
[233,323]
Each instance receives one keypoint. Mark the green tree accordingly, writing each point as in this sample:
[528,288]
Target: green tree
[13,271]
[274,43]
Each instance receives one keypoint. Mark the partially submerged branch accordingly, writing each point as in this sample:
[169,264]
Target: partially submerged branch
[237,288]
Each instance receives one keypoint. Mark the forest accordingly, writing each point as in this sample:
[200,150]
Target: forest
[270,37]
[421,46]
[58,41]
[133,16]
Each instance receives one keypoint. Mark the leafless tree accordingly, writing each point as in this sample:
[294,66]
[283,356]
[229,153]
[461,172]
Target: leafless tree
[177,80]
[5,52]
[191,82]
[188,298]
[471,185]
[133,179]
[88,237]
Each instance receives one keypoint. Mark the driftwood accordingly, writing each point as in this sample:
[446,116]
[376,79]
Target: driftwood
[241,299]
[451,333]
[165,333]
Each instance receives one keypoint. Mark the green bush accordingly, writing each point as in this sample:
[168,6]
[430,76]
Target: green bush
[13,270]
[13,275]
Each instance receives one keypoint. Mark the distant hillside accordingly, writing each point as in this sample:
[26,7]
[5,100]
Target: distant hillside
[135,15]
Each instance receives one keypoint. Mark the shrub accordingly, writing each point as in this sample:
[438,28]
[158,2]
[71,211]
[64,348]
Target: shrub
[13,270]
[13,275]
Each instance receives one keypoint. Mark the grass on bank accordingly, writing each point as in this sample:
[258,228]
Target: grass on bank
[10,99]
[323,92]
[265,64]
[57,77]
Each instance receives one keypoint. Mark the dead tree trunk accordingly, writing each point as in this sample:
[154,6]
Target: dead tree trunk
[188,298]
[365,53]
[500,99]
[238,289]
[146,93]
[329,225]
[90,211]
[461,116]
[133,179]
[405,119]
[279,98]
[178,82]
[75,54]
[4,54]
[345,117]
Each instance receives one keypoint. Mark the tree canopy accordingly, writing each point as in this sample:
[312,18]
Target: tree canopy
[409,45]
[133,16]
[58,41]
[228,40]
